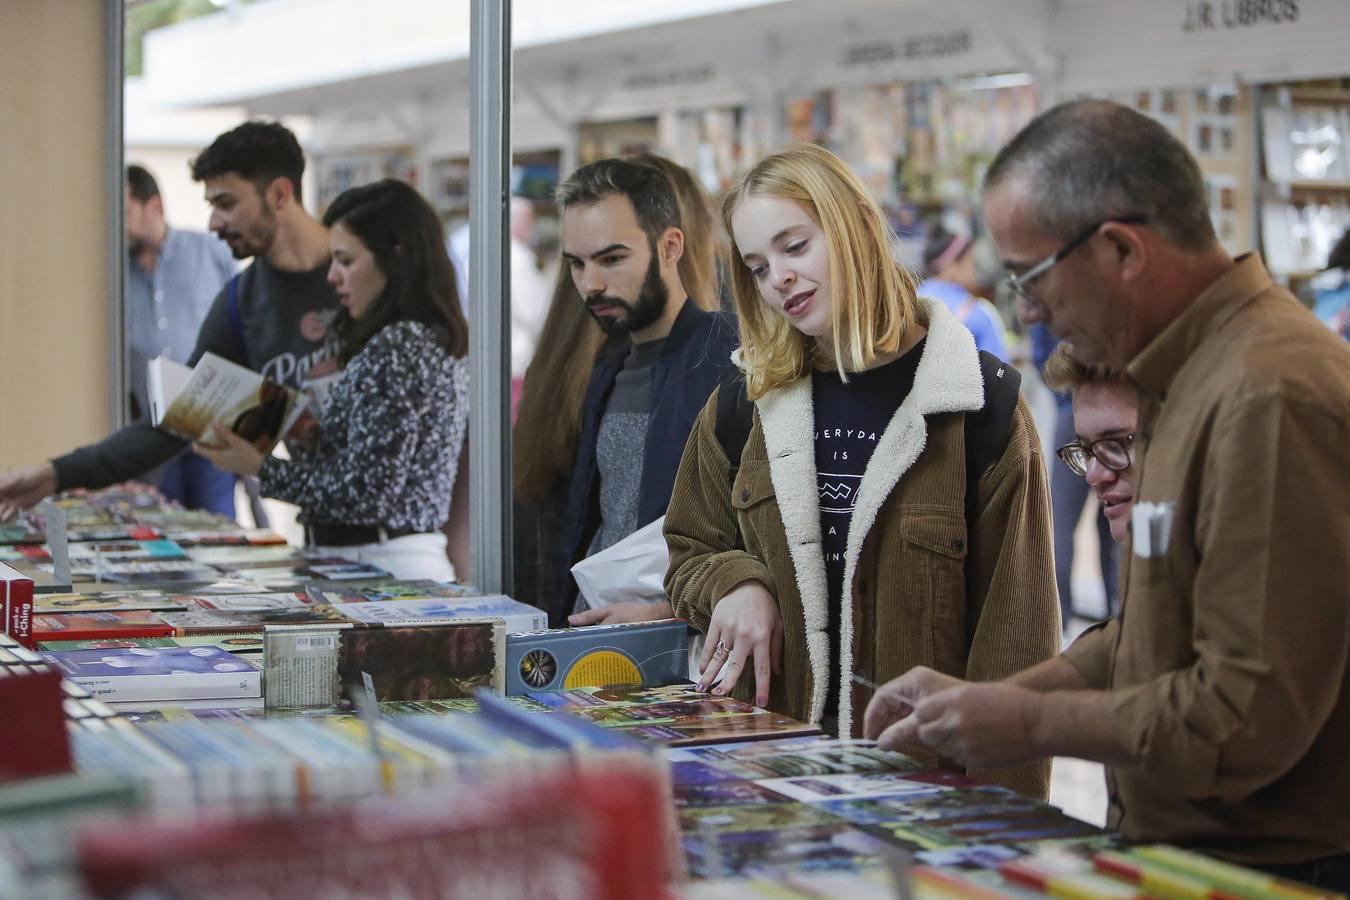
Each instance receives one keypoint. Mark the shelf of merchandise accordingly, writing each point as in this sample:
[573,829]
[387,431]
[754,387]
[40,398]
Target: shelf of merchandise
[1300,192]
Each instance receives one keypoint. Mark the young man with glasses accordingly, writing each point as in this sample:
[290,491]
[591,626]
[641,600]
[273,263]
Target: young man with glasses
[1218,697]
[1105,414]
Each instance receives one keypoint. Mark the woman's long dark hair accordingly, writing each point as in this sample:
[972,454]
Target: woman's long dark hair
[401,231]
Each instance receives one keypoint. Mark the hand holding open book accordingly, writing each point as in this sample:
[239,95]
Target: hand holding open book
[190,402]
[229,452]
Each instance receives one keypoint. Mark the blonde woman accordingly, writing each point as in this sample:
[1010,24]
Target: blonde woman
[868,528]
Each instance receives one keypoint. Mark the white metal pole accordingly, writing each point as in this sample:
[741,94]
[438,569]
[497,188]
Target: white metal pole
[114,29]
[490,293]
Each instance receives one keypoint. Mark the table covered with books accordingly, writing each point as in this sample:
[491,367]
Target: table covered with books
[194,710]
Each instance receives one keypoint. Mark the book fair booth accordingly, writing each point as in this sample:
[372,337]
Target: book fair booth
[197,708]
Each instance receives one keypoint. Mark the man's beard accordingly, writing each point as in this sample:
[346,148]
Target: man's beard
[646,310]
[258,242]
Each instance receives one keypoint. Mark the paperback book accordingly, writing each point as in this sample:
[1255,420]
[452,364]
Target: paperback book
[16,603]
[95,625]
[221,621]
[187,402]
[159,673]
[515,616]
[642,654]
[316,666]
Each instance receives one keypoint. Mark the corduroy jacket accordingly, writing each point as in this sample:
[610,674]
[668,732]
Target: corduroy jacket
[976,600]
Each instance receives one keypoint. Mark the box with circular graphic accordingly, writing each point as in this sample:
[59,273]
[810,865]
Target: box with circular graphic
[648,654]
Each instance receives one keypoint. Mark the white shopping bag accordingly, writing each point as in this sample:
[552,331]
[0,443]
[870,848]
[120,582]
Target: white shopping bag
[632,569]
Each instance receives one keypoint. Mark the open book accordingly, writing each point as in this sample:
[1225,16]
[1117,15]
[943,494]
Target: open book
[187,401]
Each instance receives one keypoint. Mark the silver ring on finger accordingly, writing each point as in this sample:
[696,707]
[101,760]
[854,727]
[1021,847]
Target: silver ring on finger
[721,648]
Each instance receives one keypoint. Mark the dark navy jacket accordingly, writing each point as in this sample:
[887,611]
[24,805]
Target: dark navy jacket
[697,352]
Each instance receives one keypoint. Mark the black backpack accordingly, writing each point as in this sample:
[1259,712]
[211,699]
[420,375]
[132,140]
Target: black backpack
[986,432]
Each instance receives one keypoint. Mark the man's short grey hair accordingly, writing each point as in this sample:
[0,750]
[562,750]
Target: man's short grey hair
[1090,160]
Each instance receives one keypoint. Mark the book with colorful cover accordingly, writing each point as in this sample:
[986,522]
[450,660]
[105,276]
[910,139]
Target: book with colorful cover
[95,625]
[515,616]
[159,673]
[389,590]
[643,654]
[244,602]
[104,601]
[220,621]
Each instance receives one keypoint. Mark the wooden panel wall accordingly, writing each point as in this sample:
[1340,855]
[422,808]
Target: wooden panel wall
[53,256]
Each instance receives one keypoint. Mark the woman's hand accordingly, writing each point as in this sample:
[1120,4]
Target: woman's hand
[624,611]
[745,626]
[230,452]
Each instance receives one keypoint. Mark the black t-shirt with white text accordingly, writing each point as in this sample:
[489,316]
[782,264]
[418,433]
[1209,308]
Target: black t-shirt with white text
[850,418]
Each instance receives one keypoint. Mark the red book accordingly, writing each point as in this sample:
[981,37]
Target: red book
[37,742]
[16,602]
[93,626]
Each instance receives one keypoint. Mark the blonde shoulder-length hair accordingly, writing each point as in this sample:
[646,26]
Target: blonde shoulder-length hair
[873,302]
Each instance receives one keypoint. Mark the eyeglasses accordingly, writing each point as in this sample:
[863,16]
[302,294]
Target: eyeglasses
[1018,283]
[1112,452]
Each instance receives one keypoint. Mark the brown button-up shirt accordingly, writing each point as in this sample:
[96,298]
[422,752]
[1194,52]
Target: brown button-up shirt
[1229,664]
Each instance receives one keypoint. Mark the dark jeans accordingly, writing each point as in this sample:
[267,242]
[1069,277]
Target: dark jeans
[194,482]
[1332,873]
[1069,493]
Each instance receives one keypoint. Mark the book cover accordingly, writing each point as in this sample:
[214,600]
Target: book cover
[104,601]
[159,673]
[94,625]
[642,654]
[232,643]
[516,616]
[227,556]
[188,402]
[220,621]
[389,590]
[16,603]
[244,602]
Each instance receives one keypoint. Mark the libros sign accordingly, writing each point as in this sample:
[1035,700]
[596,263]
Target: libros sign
[1214,15]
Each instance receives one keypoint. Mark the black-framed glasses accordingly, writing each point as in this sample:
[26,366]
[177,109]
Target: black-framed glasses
[1018,283]
[1113,452]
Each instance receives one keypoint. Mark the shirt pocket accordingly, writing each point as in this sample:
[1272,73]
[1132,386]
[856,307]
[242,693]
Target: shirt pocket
[931,582]
[756,506]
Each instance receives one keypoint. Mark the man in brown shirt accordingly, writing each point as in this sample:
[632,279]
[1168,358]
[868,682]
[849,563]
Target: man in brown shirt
[1217,699]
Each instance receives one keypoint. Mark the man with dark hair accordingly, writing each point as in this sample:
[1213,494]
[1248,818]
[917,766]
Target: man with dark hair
[622,240]
[1217,699]
[172,275]
[273,317]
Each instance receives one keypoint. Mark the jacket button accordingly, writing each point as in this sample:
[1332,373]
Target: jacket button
[958,544]
[745,495]
[862,587]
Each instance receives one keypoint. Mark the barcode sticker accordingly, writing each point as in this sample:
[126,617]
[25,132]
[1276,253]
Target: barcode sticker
[315,643]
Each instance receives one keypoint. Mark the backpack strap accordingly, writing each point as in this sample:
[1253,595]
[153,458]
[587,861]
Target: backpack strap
[236,317]
[735,416]
[987,430]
